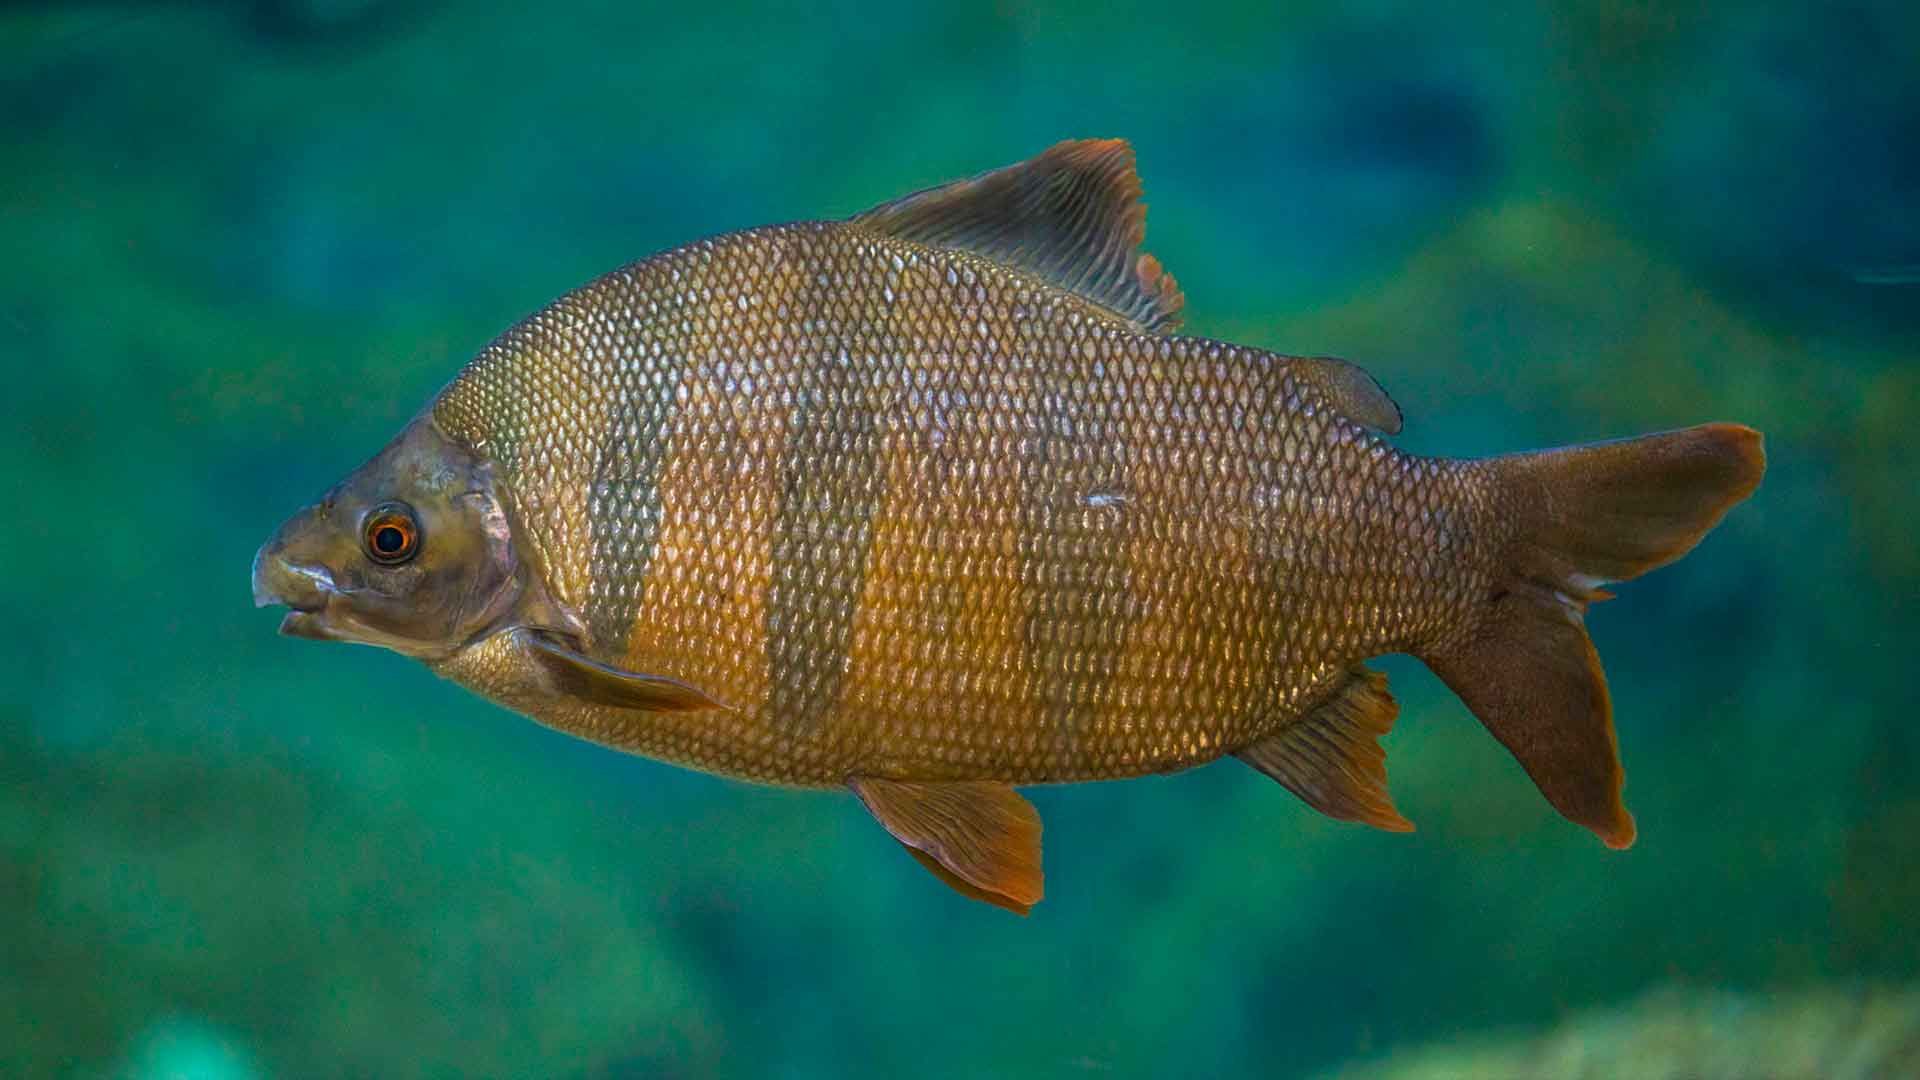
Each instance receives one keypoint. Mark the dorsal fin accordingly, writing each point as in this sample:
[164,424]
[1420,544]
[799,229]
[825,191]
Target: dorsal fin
[1072,215]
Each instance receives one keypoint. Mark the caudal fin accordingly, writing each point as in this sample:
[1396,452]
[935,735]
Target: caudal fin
[1585,515]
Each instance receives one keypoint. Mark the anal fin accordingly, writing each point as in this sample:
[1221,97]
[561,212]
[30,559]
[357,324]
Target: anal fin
[979,837]
[1332,757]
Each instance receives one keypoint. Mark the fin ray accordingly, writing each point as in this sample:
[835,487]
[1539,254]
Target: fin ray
[1071,215]
[1332,758]
[1589,514]
[580,676]
[979,837]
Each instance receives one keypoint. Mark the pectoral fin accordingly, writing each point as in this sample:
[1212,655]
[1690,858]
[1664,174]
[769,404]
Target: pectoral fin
[1332,758]
[981,838]
[582,677]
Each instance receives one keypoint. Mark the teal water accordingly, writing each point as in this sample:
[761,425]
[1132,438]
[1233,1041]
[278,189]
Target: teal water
[245,241]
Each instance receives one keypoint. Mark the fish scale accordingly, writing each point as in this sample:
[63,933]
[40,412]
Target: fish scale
[869,516]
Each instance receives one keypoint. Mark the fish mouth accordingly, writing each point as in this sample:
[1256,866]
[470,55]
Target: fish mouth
[309,593]
[343,624]
[304,623]
[304,589]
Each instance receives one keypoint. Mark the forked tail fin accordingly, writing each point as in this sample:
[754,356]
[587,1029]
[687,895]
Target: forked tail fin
[1585,515]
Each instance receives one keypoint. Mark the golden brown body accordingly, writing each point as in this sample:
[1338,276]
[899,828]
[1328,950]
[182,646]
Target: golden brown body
[930,502]
[911,514]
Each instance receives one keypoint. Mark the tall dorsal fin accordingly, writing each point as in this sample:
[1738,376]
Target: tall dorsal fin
[1072,215]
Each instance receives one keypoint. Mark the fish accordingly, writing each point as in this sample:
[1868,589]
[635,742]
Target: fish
[935,501]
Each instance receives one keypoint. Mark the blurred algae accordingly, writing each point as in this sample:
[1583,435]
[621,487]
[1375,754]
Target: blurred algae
[1686,1033]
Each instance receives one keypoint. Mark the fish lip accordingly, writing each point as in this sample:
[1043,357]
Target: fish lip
[306,623]
[263,594]
[322,625]
[318,581]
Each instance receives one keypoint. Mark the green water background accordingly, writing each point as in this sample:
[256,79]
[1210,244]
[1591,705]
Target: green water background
[243,242]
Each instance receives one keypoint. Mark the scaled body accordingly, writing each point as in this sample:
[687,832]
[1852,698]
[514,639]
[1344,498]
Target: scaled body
[911,514]
[930,502]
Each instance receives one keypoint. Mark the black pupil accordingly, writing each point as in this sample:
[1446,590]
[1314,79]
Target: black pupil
[389,539]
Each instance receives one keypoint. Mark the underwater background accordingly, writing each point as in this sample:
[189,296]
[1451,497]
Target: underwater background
[245,241]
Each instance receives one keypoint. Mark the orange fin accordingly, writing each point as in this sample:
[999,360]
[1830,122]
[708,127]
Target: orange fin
[579,676]
[1072,215]
[1584,515]
[1529,673]
[1348,388]
[979,837]
[1332,757]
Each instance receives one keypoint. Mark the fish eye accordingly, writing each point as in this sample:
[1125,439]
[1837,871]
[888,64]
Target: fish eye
[390,534]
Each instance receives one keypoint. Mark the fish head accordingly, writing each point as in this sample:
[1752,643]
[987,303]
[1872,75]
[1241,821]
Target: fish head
[411,552]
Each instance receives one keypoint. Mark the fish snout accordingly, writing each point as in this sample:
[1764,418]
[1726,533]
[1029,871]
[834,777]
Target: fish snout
[278,580]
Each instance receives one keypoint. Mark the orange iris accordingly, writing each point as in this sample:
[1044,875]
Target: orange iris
[391,535]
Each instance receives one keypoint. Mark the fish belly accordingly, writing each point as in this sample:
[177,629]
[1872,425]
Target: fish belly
[911,514]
